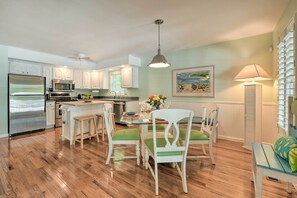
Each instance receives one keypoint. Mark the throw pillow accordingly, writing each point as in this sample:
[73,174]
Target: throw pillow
[293,159]
[284,145]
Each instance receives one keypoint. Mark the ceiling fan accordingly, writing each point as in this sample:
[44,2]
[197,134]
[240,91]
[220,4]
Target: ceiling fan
[81,57]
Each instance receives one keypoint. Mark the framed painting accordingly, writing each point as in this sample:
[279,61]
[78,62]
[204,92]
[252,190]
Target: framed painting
[196,81]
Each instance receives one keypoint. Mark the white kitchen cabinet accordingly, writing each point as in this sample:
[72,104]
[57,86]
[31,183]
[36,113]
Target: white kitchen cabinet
[48,74]
[129,77]
[34,69]
[252,114]
[78,79]
[50,114]
[25,68]
[104,79]
[86,80]
[95,81]
[62,73]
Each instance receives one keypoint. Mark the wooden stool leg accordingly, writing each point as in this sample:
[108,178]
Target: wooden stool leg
[103,126]
[90,131]
[81,134]
[96,130]
[74,132]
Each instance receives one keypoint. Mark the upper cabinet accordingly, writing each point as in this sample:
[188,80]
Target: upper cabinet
[86,80]
[62,73]
[25,68]
[48,74]
[78,79]
[95,80]
[100,79]
[129,77]
[104,79]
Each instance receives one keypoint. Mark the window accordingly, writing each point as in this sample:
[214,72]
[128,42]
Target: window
[286,78]
[115,82]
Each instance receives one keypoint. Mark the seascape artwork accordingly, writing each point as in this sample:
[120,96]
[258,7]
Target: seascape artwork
[196,81]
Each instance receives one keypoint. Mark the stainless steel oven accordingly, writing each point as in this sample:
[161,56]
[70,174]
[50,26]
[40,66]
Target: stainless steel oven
[63,85]
[58,115]
[60,97]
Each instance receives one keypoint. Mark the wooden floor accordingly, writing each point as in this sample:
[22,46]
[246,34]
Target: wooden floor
[41,165]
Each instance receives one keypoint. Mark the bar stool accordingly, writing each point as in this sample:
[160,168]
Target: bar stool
[79,120]
[100,117]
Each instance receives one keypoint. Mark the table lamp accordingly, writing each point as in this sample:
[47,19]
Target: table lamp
[252,102]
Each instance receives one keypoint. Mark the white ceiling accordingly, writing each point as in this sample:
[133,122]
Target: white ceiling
[107,29]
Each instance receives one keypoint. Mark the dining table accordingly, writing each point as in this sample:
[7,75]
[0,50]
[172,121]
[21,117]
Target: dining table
[143,119]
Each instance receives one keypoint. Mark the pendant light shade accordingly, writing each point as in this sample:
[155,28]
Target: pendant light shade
[159,61]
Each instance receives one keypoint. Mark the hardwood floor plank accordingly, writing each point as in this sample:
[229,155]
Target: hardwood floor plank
[41,165]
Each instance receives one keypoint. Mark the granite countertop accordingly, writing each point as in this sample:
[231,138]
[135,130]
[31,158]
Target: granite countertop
[83,103]
[111,98]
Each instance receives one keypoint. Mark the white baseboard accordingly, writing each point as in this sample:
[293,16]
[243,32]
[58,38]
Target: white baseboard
[3,135]
[234,139]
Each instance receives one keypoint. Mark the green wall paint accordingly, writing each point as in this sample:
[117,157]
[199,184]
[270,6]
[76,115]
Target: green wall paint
[3,90]
[227,57]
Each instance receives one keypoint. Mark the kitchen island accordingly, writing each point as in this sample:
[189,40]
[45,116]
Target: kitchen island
[74,109]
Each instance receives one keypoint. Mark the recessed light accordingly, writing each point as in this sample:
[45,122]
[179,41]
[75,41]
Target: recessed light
[110,69]
[123,66]
[65,66]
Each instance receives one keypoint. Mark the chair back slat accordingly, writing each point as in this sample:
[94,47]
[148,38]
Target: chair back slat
[108,119]
[172,117]
[144,106]
[209,125]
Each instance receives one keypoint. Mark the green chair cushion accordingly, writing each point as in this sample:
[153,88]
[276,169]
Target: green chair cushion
[293,159]
[284,145]
[161,142]
[126,134]
[158,127]
[195,134]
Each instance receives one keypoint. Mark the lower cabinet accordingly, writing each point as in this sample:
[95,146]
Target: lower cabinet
[50,114]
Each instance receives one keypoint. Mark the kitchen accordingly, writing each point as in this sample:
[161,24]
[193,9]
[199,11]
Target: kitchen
[63,83]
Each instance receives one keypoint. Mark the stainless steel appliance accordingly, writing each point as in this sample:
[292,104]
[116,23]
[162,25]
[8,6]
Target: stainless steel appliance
[26,103]
[119,108]
[60,97]
[63,85]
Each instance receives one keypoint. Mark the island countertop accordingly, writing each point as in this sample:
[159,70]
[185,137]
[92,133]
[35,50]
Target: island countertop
[83,103]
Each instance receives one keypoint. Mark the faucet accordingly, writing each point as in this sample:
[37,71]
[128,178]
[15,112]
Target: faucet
[115,94]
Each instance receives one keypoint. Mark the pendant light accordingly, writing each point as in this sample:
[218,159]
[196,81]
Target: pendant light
[159,61]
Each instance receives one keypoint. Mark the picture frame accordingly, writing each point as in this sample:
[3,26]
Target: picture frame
[195,81]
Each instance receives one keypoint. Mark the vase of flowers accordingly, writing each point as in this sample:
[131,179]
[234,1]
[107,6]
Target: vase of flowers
[156,100]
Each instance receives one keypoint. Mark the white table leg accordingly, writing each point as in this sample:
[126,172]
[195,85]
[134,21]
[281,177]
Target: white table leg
[143,135]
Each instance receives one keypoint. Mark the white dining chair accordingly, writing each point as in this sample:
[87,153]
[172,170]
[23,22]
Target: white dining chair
[207,108]
[203,136]
[122,137]
[167,149]
[144,106]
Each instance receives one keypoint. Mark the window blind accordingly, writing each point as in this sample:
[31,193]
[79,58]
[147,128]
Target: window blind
[286,78]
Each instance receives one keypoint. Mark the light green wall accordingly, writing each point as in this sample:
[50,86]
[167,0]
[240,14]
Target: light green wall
[3,90]
[227,57]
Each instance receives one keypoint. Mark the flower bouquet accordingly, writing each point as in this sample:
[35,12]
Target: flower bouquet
[156,100]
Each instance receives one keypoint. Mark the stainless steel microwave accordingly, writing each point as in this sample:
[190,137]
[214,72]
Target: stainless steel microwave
[63,85]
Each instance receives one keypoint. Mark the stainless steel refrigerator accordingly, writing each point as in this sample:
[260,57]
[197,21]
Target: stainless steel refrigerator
[26,103]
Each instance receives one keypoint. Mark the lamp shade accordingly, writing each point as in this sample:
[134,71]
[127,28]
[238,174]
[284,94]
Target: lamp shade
[159,61]
[252,72]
